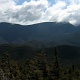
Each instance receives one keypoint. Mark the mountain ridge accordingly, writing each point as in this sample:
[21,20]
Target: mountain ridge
[58,33]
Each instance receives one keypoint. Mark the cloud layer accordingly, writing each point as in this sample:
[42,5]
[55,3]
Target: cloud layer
[37,11]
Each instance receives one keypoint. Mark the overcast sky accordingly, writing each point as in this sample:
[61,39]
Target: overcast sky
[27,12]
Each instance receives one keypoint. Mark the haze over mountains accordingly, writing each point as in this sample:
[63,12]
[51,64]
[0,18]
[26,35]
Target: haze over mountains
[48,34]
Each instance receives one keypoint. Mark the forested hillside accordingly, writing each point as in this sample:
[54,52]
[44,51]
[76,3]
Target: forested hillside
[45,51]
[21,52]
[37,68]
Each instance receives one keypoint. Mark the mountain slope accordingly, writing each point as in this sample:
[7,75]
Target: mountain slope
[49,32]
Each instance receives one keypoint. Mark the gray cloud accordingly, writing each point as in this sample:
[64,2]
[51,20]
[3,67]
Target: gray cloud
[40,11]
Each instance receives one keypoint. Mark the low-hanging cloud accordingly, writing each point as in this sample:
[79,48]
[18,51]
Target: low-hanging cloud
[37,11]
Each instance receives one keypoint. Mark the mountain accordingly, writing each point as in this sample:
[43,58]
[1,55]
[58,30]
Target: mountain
[47,34]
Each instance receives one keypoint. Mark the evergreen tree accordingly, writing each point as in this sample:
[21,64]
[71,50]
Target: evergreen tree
[7,65]
[55,72]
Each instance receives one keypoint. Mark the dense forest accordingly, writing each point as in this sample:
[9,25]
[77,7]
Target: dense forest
[37,68]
